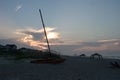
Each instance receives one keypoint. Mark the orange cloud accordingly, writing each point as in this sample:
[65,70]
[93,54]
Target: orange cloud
[35,37]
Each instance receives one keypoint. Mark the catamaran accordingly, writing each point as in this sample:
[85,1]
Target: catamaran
[50,59]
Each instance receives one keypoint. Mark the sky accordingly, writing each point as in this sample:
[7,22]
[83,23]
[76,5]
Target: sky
[73,27]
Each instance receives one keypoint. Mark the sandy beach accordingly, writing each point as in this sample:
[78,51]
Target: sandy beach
[74,68]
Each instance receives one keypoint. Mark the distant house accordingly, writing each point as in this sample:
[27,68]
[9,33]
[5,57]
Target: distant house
[11,47]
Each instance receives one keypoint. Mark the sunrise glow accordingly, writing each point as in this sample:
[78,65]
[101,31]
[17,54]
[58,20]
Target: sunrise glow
[52,35]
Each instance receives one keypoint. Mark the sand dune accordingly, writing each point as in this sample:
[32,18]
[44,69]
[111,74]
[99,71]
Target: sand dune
[74,68]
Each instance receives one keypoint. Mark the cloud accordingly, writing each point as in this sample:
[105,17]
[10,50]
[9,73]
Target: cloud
[18,7]
[101,45]
[108,41]
[112,48]
[14,41]
[36,37]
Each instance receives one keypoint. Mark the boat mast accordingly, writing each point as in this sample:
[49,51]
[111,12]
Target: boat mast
[45,32]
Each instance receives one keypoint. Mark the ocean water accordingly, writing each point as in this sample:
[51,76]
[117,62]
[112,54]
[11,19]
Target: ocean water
[112,57]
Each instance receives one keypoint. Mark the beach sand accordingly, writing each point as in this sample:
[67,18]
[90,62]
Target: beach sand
[74,68]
